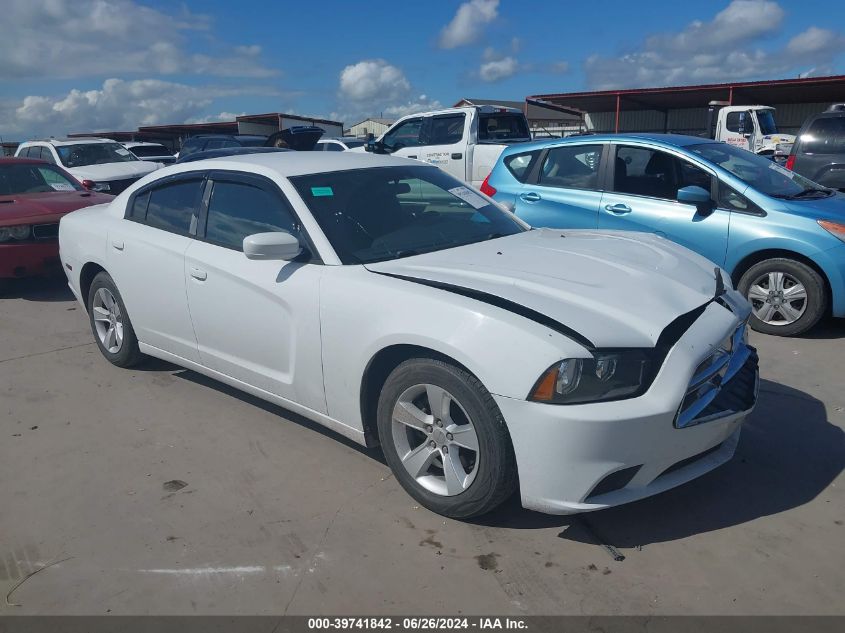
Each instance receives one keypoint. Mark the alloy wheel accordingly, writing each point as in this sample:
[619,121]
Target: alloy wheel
[435,439]
[108,320]
[777,298]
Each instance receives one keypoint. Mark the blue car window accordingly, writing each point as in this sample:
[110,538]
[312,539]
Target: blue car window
[571,167]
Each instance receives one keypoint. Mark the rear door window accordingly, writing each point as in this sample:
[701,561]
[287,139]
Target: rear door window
[571,167]
[173,206]
[446,129]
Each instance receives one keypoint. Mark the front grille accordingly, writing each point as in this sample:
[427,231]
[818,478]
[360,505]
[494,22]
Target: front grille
[117,186]
[724,383]
[45,231]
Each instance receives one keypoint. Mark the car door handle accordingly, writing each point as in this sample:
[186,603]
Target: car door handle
[117,244]
[457,156]
[530,197]
[619,209]
[198,274]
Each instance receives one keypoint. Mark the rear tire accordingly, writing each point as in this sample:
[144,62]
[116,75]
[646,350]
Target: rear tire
[787,297]
[438,422]
[110,323]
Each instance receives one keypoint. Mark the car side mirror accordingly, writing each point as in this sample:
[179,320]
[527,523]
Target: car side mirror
[278,245]
[698,196]
[376,147]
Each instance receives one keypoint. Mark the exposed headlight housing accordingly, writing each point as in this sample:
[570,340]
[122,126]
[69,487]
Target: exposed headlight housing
[20,232]
[834,228]
[609,375]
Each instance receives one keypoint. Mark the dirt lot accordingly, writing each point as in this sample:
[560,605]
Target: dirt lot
[163,492]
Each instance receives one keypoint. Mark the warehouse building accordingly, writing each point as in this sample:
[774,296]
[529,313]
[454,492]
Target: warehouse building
[172,136]
[374,126]
[683,109]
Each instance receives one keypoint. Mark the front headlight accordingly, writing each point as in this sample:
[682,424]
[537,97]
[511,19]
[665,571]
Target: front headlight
[609,375]
[20,232]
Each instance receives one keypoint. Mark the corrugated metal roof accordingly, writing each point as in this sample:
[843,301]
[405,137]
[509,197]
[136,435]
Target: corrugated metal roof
[798,90]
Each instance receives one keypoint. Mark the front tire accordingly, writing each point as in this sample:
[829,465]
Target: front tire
[445,439]
[110,323]
[787,297]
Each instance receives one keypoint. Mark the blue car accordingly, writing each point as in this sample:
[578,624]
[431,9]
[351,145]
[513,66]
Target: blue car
[779,235]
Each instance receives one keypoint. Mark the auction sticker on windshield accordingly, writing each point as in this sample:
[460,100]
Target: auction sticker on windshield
[469,196]
[783,171]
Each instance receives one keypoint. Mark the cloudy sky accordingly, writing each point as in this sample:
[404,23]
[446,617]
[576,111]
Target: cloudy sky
[85,65]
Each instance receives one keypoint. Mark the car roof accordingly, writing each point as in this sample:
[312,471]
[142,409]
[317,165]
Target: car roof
[288,164]
[12,160]
[246,136]
[675,140]
[140,143]
[68,141]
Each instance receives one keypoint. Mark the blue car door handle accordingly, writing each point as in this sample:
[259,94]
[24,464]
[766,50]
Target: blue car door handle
[618,208]
[530,197]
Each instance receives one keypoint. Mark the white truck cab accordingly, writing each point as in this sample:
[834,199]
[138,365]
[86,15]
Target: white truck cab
[750,127]
[465,142]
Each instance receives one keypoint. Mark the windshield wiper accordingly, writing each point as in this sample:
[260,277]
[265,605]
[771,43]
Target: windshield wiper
[806,192]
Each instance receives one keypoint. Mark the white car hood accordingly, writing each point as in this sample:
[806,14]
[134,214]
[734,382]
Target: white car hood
[114,171]
[616,289]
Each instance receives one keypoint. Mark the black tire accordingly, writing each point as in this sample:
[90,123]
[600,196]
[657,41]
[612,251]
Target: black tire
[128,355]
[496,474]
[815,302]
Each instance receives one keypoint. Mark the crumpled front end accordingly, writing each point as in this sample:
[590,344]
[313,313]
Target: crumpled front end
[576,458]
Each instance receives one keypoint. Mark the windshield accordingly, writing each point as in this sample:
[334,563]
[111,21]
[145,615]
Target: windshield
[19,178]
[503,126]
[384,213]
[759,172]
[766,119]
[82,154]
[147,151]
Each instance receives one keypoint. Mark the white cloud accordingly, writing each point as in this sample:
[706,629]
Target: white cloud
[373,80]
[468,23]
[726,48]
[215,118]
[374,87]
[814,40]
[87,38]
[421,104]
[118,105]
[559,68]
[498,69]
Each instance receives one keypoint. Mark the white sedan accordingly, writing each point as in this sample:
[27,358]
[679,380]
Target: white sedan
[390,302]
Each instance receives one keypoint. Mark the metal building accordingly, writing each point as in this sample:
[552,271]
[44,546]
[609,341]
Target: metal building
[374,126]
[683,109]
[172,136]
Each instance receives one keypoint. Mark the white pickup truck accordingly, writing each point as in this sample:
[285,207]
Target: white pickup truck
[465,142]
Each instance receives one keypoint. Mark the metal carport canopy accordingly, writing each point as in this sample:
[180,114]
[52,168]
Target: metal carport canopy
[800,90]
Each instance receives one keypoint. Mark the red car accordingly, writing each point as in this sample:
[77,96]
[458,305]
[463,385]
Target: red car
[34,195]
